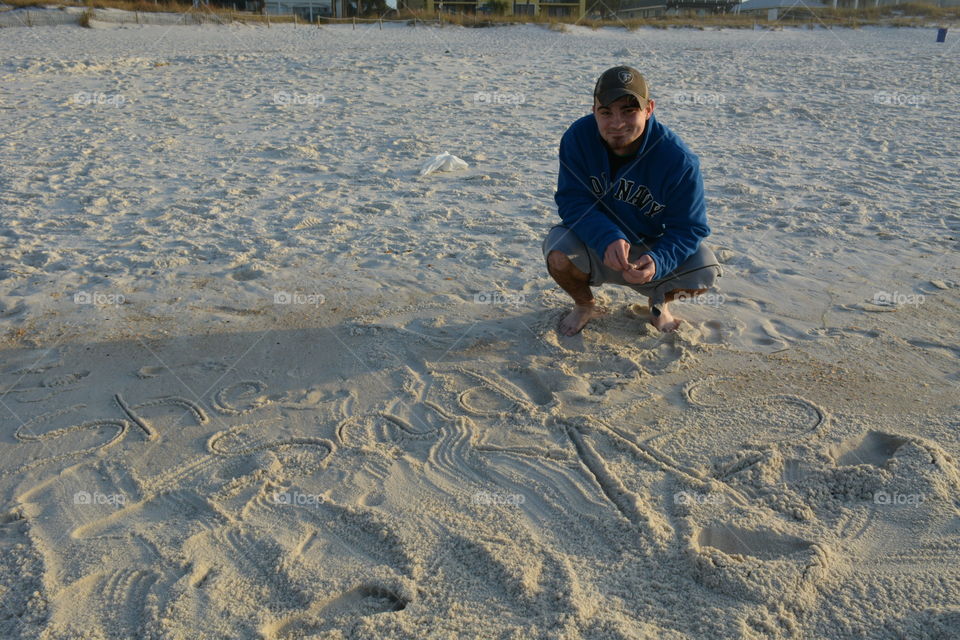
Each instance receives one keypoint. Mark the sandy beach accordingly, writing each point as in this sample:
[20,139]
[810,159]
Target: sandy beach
[259,378]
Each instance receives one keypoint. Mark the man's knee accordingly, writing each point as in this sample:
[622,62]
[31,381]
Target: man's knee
[560,264]
[558,261]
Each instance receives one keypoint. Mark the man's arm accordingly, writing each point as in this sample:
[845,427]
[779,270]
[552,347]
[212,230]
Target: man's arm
[684,219]
[578,206]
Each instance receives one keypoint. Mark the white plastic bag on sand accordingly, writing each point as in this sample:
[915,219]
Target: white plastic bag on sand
[443,162]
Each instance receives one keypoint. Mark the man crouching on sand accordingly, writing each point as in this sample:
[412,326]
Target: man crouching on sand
[631,199]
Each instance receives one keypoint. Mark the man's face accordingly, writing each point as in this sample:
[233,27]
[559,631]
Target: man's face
[622,122]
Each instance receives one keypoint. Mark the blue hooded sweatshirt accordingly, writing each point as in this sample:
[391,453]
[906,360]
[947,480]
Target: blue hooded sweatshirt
[655,199]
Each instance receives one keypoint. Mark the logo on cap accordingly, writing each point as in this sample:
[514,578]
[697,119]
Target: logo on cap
[626,77]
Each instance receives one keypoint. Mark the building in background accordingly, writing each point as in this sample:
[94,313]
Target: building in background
[630,9]
[701,7]
[576,9]
[772,8]
[307,9]
[554,8]
[562,9]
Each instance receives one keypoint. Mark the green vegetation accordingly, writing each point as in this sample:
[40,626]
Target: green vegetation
[497,7]
[128,5]
[901,15]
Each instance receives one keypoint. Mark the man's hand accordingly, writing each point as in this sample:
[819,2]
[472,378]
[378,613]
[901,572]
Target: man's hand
[617,257]
[643,271]
[616,254]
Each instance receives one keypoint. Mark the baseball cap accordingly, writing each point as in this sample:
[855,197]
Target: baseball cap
[618,82]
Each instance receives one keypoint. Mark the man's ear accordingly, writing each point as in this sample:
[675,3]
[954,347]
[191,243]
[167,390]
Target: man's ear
[650,105]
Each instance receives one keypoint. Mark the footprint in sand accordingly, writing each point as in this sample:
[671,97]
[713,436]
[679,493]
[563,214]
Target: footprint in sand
[191,369]
[865,493]
[874,448]
[885,466]
[28,363]
[65,379]
[713,332]
[336,612]
[758,565]
[44,388]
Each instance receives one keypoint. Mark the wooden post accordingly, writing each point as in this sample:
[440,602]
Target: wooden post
[294,19]
[380,22]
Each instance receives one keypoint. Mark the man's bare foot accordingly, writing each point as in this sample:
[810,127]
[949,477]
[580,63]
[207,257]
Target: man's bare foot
[666,322]
[578,318]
